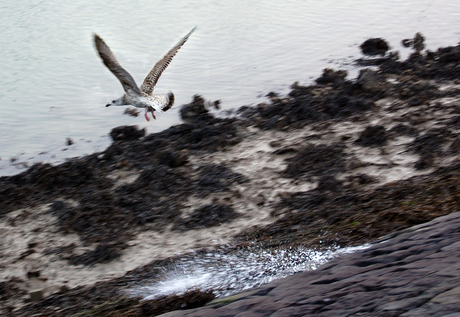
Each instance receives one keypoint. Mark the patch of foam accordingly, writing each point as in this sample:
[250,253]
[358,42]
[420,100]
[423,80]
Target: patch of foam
[227,273]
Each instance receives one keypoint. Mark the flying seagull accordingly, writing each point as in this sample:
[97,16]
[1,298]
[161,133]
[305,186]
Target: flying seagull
[142,97]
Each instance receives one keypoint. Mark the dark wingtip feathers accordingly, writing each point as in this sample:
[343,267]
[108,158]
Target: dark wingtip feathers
[97,40]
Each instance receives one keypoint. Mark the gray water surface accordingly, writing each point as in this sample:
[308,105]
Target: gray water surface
[54,86]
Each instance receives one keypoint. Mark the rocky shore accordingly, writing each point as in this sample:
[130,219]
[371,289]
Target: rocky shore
[337,163]
[410,273]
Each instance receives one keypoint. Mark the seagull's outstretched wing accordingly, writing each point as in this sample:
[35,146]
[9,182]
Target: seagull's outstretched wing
[112,64]
[151,80]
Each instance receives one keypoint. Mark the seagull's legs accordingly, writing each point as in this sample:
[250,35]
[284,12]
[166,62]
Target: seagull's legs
[146,114]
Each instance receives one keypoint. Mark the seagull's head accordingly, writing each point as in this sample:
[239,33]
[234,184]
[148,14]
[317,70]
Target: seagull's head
[117,102]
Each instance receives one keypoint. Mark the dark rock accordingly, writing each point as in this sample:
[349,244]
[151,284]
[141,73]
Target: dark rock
[371,80]
[374,46]
[272,95]
[102,254]
[360,179]
[56,178]
[426,160]
[347,106]
[406,42]
[286,150]
[33,274]
[428,143]
[36,295]
[208,216]
[173,158]
[316,160]
[331,76]
[329,183]
[213,104]
[215,178]
[354,163]
[126,133]
[391,59]
[373,136]
[275,143]
[448,55]
[195,110]
[26,253]
[402,129]
[305,107]
[188,300]
[11,288]
[455,146]
[417,43]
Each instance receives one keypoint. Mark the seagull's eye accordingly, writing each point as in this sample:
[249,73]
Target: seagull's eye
[113,101]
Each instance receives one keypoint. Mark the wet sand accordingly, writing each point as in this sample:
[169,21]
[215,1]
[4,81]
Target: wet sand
[338,163]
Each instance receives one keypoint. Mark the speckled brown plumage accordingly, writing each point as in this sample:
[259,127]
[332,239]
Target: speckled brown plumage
[142,97]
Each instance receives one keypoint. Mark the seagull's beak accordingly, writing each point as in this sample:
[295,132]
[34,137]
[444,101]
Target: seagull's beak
[107,105]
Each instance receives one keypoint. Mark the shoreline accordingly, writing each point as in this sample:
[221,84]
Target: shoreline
[337,163]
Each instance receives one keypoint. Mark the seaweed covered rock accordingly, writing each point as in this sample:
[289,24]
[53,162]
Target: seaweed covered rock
[316,160]
[374,46]
[417,43]
[195,111]
[208,216]
[126,133]
[373,136]
[331,76]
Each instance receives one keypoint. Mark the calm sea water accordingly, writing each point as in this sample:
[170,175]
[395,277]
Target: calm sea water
[54,86]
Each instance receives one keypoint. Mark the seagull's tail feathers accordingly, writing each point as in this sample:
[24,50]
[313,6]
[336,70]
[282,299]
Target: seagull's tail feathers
[169,104]
[162,103]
